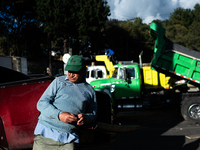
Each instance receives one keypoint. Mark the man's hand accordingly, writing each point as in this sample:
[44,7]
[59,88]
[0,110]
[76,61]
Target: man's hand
[67,117]
[81,119]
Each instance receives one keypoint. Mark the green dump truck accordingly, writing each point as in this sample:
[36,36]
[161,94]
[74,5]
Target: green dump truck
[181,63]
[134,85]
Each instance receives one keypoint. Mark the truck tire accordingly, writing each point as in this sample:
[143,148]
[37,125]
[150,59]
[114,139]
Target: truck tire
[104,107]
[190,110]
[115,107]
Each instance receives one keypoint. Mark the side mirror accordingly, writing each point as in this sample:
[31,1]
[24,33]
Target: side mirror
[127,79]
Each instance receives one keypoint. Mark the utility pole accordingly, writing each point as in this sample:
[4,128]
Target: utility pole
[8,48]
[65,46]
[70,49]
[49,52]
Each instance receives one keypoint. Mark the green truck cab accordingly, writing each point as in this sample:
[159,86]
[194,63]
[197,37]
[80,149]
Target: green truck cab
[124,86]
[125,81]
[130,83]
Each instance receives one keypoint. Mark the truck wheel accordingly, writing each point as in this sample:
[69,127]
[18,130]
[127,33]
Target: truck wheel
[104,107]
[115,107]
[190,110]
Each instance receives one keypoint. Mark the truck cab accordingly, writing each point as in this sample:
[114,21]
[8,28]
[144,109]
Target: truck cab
[95,72]
[125,83]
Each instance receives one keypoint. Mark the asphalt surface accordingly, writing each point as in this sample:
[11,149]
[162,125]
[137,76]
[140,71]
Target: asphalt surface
[161,129]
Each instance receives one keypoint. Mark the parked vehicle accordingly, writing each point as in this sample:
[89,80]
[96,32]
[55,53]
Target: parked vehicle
[19,95]
[18,114]
[95,72]
[181,63]
[130,84]
[108,63]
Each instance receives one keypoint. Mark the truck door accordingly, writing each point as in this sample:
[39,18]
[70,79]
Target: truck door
[127,85]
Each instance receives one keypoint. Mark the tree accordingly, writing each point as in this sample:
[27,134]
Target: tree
[15,16]
[128,39]
[194,36]
[5,20]
[182,16]
[72,18]
[182,27]
[76,20]
[197,12]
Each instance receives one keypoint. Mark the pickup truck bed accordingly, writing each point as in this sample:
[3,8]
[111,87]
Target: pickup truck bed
[19,95]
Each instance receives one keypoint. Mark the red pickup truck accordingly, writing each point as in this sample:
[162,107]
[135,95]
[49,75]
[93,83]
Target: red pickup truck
[18,114]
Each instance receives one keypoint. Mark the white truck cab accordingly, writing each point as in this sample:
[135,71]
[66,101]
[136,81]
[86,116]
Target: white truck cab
[95,72]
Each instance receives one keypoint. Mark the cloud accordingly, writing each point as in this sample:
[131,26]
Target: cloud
[148,10]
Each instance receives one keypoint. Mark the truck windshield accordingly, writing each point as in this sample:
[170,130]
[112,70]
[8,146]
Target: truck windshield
[119,73]
[115,73]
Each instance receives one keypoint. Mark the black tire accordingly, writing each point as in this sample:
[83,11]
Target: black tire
[104,107]
[190,110]
[115,107]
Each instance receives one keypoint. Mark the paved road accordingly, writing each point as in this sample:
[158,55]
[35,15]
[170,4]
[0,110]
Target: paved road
[162,129]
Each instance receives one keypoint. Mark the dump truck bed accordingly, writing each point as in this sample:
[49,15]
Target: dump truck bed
[154,80]
[173,59]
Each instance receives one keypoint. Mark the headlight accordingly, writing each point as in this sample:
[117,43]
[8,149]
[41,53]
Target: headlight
[112,88]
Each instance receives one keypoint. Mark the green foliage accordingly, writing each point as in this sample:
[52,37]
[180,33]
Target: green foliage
[3,44]
[128,39]
[183,27]
[54,15]
[91,16]
[182,16]
[16,16]
[197,12]
[26,23]
[194,36]
[32,45]
[78,19]
[177,33]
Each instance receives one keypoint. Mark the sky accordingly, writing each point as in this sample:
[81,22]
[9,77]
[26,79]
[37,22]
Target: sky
[148,10]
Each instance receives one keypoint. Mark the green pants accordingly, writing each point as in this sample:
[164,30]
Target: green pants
[42,143]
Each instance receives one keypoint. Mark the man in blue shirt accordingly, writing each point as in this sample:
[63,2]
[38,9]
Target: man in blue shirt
[67,103]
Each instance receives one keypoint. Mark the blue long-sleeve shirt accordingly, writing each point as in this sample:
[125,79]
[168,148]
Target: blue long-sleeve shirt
[65,96]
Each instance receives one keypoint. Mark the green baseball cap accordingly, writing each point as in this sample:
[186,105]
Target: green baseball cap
[75,63]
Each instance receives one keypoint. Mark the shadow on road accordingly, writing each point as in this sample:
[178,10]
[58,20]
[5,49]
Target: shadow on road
[154,124]
[150,141]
